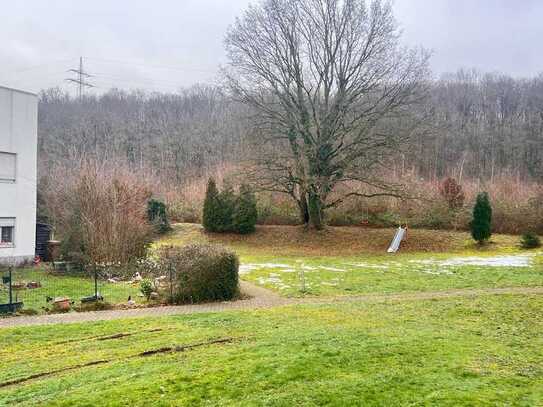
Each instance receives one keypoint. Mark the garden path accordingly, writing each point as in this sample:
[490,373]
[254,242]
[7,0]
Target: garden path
[255,298]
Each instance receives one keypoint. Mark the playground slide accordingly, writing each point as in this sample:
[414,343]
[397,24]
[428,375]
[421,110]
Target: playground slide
[398,237]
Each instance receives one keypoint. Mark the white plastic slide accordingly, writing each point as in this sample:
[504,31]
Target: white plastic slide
[398,237]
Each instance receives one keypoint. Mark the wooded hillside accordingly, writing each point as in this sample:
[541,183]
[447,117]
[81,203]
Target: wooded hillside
[480,126]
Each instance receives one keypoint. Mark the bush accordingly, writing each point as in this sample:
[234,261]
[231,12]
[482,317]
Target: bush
[452,192]
[227,212]
[202,273]
[146,288]
[227,206]
[211,217]
[530,240]
[103,218]
[482,219]
[245,212]
[157,215]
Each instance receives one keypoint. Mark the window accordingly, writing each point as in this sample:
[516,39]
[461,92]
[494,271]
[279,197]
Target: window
[7,232]
[7,166]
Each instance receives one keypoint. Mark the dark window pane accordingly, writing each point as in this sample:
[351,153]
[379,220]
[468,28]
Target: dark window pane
[7,234]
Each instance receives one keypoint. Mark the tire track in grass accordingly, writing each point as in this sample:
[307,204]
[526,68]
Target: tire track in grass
[151,352]
[108,337]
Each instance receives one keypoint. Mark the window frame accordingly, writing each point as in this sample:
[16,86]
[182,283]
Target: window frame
[14,179]
[11,244]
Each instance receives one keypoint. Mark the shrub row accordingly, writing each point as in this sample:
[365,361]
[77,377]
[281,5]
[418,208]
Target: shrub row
[227,211]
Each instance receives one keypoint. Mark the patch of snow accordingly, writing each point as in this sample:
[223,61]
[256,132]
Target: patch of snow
[497,261]
[331,269]
[269,280]
[273,265]
[436,272]
[369,266]
[520,260]
[246,268]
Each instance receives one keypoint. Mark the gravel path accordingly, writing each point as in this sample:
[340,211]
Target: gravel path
[258,298]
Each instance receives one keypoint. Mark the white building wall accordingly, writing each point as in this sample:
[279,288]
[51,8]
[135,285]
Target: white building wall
[18,134]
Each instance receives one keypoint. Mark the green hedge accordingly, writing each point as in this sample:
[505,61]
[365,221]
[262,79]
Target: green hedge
[202,273]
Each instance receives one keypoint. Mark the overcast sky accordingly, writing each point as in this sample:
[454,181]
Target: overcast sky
[164,44]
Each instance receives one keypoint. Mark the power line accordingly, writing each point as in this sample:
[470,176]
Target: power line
[81,79]
[34,67]
[174,68]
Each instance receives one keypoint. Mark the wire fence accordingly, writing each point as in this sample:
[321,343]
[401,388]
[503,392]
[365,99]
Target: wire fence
[59,287]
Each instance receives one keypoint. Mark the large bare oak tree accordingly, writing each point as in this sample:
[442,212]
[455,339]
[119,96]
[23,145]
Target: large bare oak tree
[332,93]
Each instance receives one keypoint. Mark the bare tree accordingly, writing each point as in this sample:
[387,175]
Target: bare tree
[332,92]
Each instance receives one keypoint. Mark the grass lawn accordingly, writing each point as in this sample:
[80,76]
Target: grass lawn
[455,351]
[346,261]
[338,261]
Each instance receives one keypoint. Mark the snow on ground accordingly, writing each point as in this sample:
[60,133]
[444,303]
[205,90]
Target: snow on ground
[427,266]
[247,268]
[331,269]
[519,260]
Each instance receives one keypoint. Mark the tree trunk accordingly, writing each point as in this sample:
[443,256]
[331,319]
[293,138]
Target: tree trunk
[304,210]
[315,210]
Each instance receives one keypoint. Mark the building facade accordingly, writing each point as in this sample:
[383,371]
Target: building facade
[18,175]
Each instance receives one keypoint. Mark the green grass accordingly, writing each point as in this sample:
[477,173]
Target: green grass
[331,276]
[350,261]
[338,261]
[57,285]
[473,351]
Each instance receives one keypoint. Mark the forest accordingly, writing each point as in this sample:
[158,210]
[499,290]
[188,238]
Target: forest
[483,129]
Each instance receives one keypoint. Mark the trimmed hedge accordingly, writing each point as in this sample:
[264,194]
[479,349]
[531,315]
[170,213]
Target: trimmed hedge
[202,273]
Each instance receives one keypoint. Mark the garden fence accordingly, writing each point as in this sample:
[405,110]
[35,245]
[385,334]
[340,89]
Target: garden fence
[57,287]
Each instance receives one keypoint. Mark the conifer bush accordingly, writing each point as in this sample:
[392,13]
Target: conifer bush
[226,211]
[158,216]
[227,200]
[245,212]
[211,218]
[481,222]
[530,240]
